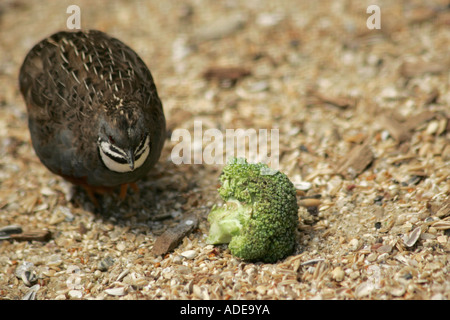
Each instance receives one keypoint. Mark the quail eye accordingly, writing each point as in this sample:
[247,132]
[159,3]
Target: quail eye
[111,139]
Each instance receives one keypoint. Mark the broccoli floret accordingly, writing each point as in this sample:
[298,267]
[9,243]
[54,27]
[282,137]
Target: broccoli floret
[260,216]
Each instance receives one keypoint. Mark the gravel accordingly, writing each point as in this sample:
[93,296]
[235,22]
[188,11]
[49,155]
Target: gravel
[374,223]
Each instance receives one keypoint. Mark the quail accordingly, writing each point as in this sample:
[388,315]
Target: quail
[94,114]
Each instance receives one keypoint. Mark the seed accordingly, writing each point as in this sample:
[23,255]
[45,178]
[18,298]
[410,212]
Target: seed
[76,294]
[119,291]
[5,232]
[26,273]
[413,237]
[105,264]
[310,202]
[353,244]
[31,293]
[189,254]
[338,274]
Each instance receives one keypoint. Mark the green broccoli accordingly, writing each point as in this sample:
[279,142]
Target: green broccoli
[260,216]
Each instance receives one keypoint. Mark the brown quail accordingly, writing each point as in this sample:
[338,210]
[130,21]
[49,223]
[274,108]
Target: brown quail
[94,114]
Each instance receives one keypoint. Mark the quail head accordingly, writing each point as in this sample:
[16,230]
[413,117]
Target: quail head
[94,114]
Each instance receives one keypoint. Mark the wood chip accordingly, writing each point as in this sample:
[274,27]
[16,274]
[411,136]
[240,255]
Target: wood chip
[172,237]
[432,97]
[417,120]
[444,210]
[40,235]
[226,75]
[411,70]
[396,129]
[359,158]
[421,14]
[337,101]
[401,130]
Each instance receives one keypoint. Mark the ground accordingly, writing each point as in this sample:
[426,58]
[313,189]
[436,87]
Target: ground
[363,121]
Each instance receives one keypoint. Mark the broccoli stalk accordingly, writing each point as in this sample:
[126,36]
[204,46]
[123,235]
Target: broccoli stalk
[260,216]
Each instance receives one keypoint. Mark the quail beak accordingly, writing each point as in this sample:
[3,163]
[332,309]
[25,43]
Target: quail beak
[130,158]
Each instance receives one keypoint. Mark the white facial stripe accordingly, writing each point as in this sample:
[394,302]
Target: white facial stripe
[112,150]
[142,148]
[113,165]
[140,159]
[111,155]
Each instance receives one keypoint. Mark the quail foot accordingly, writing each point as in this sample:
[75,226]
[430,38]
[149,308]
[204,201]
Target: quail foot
[94,114]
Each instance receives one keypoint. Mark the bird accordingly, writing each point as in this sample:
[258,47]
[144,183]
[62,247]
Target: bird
[94,114]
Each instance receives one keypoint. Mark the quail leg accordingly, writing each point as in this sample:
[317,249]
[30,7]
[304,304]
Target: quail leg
[124,188]
[91,194]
